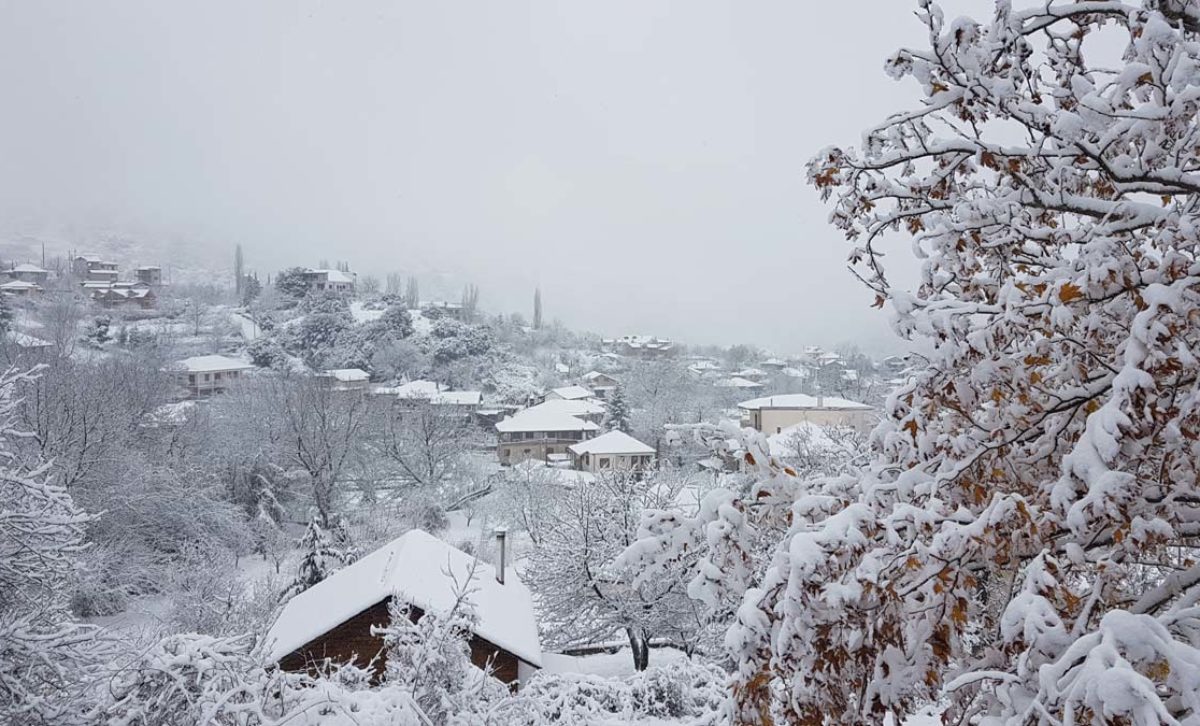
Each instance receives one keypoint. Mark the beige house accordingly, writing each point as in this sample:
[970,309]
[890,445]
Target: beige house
[773,414]
[91,268]
[206,375]
[540,434]
[615,450]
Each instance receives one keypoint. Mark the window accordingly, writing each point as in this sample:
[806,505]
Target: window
[604,462]
[207,376]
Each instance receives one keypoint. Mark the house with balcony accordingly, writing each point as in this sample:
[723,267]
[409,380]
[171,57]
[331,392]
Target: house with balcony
[540,433]
[335,281]
[92,268]
[148,275]
[207,375]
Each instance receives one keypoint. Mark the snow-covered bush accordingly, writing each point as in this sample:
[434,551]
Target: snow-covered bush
[266,352]
[685,690]
[192,679]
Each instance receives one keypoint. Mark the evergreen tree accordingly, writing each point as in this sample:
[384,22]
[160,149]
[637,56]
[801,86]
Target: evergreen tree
[537,309]
[325,552]
[618,411]
[412,294]
[239,275]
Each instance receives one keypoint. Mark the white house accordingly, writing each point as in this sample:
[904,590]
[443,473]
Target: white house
[330,281]
[539,434]
[332,620]
[613,450]
[205,375]
[773,414]
[588,409]
[26,272]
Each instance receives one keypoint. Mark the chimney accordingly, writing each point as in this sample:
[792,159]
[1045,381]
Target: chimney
[501,535]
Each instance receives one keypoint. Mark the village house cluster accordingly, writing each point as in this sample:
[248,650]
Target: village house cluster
[99,279]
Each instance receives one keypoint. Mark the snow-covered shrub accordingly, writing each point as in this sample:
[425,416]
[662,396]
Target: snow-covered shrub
[192,679]
[325,552]
[685,690]
[266,352]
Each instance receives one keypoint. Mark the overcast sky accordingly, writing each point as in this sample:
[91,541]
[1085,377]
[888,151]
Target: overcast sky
[642,161]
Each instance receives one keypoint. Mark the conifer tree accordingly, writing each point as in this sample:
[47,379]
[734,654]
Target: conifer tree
[325,552]
[618,411]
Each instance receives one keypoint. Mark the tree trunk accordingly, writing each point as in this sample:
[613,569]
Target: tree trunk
[639,644]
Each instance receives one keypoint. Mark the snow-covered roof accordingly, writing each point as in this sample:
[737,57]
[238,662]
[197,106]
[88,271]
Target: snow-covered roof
[792,372]
[457,398]
[750,373]
[802,400]
[20,285]
[596,375]
[421,570]
[21,340]
[27,267]
[541,419]
[210,363]
[736,382]
[347,375]
[148,267]
[571,393]
[575,407]
[613,442]
[418,389]
[774,363]
[332,275]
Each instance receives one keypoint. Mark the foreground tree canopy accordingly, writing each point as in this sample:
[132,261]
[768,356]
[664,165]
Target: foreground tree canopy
[1023,543]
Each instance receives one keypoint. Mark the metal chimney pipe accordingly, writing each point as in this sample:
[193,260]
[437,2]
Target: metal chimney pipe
[501,536]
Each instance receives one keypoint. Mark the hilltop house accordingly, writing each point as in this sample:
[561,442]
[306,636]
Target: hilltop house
[588,409]
[444,309]
[613,450]
[91,268]
[206,375]
[26,272]
[123,295]
[540,433]
[332,620]
[334,281]
[639,346]
[773,414]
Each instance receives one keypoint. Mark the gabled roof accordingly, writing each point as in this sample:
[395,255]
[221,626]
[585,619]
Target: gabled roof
[421,570]
[27,267]
[803,400]
[596,375]
[210,363]
[571,393]
[20,285]
[22,340]
[575,407]
[534,419]
[613,442]
[418,389]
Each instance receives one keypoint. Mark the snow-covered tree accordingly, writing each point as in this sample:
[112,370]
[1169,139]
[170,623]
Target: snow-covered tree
[291,282]
[617,417]
[1024,539]
[583,593]
[325,552]
[46,658]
